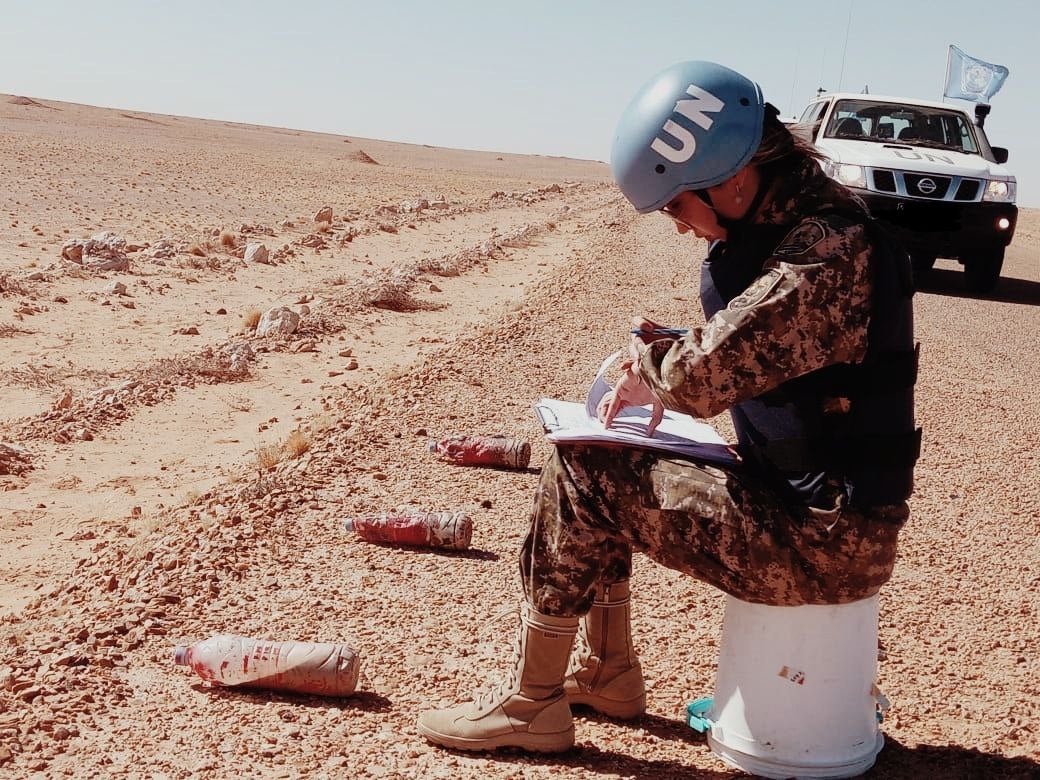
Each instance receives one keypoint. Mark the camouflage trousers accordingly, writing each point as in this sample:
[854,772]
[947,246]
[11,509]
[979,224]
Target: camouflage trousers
[596,505]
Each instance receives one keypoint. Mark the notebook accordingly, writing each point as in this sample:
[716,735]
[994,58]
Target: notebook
[678,433]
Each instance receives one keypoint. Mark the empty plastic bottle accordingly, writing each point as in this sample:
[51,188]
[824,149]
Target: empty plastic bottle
[323,668]
[501,451]
[452,530]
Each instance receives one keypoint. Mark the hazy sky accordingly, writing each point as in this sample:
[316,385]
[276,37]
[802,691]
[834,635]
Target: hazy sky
[537,76]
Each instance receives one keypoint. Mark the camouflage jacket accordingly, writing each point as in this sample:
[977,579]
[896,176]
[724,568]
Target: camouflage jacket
[808,308]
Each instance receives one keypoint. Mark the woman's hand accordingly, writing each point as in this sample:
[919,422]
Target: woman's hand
[630,390]
[646,332]
[648,326]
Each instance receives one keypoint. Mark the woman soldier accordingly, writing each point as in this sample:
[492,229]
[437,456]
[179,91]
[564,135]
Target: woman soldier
[808,342]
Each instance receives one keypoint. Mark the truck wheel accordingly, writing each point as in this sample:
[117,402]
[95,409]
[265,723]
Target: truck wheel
[982,273]
[921,265]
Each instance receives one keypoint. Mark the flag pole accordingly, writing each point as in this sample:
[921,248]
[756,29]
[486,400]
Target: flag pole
[949,52]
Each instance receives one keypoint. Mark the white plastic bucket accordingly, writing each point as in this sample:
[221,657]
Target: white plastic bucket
[795,693]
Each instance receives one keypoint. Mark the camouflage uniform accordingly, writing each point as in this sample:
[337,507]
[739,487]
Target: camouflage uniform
[733,528]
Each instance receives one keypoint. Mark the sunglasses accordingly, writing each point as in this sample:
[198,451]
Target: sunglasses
[673,208]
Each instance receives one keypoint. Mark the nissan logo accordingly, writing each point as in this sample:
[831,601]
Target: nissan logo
[926,186]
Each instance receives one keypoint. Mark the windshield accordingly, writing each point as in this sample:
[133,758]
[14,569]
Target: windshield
[870,120]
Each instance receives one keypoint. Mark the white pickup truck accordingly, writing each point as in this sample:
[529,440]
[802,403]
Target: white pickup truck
[927,170]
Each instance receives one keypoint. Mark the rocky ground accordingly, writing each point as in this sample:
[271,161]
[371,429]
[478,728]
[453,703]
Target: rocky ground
[218,341]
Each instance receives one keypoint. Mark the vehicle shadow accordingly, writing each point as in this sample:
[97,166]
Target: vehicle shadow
[943,281]
[950,762]
[895,762]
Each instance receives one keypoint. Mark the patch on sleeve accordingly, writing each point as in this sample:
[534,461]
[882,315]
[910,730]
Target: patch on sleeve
[803,238]
[757,291]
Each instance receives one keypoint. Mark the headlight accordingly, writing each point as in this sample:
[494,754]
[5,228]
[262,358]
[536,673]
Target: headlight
[846,173]
[1000,191]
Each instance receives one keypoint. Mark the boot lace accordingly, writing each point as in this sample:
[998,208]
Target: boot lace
[581,652]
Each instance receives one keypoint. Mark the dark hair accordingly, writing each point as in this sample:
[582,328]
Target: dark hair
[780,146]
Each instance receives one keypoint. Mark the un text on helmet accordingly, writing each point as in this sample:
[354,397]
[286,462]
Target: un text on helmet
[696,110]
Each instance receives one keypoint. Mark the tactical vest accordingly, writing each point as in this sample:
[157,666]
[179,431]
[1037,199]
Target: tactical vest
[850,424]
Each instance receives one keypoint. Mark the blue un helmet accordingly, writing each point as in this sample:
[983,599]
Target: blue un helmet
[690,127]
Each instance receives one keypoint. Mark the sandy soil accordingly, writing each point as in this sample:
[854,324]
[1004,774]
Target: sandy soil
[150,499]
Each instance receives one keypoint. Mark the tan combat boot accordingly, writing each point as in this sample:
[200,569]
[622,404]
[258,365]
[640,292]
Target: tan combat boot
[604,672]
[529,709]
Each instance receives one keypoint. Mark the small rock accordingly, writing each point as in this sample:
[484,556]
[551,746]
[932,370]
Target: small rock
[352,365]
[279,321]
[434,288]
[221,311]
[72,250]
[346,352]
[257,253]
[115,288]
[324,215]
[30,693]
[191,330]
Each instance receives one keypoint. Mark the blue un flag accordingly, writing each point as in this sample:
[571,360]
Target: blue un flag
[968,78]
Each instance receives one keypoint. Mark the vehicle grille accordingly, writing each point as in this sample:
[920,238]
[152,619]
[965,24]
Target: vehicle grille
[934,187]
[968,190]
[884,181]
[925,187]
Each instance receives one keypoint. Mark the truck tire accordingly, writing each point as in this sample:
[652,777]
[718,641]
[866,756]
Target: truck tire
[982,272]
[921,265]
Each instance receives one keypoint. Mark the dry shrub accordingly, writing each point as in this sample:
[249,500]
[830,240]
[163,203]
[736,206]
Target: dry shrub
[324,422]
[393,293]
[197,250]
[9,331]
[268,456]
[200,262]
[35,377]
[227,240]
[251,319]
[187,370]
[297,443]
[9,285]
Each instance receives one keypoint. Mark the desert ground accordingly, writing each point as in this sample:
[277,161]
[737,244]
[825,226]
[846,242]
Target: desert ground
[167,474]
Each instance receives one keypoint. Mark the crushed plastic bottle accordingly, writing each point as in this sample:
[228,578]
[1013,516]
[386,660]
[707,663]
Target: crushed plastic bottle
[468,450]
[451,530]
[322,668]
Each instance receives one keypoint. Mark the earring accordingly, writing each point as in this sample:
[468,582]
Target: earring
[739,197]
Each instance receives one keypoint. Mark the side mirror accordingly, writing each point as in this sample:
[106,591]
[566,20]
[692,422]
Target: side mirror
[1000,154]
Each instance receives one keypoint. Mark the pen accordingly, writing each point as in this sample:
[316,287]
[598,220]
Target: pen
[667,332]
